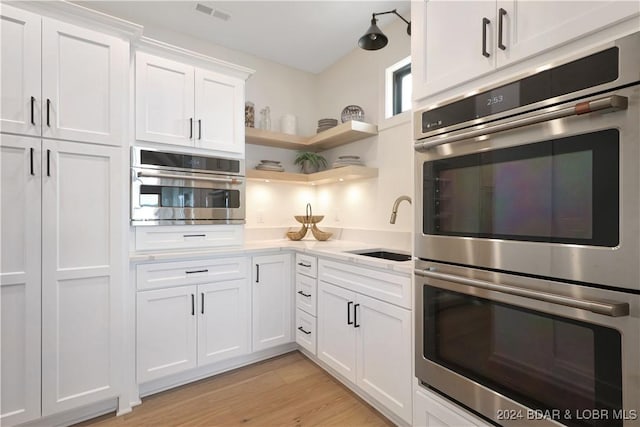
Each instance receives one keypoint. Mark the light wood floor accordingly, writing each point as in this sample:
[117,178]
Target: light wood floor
[289,390]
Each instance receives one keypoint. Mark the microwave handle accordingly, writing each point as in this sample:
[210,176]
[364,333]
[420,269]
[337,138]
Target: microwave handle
[613,309]
[194,178]
[608,104]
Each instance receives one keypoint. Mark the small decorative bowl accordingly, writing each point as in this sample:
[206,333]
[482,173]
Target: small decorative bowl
[352,112]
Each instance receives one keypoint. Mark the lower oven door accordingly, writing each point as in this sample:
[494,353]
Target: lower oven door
[524,351]
[159,198]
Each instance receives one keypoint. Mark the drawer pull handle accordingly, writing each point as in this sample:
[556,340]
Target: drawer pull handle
[194,235]
[485,23]
[193,304]
[197,271]
[33,120]
[304,295]
[301,329]
[202,305]
[502,14]
[349,321]
[257,273]
[302,264]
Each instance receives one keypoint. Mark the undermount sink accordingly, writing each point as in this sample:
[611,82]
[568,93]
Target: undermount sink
[383,254]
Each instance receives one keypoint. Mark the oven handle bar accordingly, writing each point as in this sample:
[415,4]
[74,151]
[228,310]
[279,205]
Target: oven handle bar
[608,104]
[613,309]
[191,178]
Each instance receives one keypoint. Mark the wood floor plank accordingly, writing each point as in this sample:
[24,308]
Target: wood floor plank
[288,390]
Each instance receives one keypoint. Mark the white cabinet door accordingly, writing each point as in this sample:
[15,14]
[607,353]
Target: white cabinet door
[19,279]
[82,244]
[431,410]
[447,45]
[223,320]
[531,27]
[219,108]
[383,349]
[84,84]
[336,331]
[166,332]
[20,76]
[164,100]
[272,303]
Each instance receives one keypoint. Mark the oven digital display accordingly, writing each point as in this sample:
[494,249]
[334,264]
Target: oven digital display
[498,100]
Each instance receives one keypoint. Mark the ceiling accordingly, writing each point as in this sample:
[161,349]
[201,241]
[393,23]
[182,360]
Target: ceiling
[307,35]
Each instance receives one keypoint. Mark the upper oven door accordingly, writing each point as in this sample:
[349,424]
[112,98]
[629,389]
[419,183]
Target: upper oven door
[171,197]
[555,198]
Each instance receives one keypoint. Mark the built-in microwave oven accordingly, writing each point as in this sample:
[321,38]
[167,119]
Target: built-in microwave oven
[169,188]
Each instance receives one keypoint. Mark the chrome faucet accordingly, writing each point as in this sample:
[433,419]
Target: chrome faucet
[394,211]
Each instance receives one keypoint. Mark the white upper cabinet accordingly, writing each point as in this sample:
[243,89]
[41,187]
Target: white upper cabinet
[61,81]
[456,42]
[83,84]
[180,104]
[20,59]
[164,100]
[530,27]
[447,45]
[220,112]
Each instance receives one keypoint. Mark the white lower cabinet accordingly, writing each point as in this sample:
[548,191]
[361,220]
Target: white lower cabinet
[181,327]
[368,342]
[306,331]
[272,301]
[431,410]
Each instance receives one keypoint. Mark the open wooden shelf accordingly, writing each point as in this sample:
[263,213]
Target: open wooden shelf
[347,173]
[339,135]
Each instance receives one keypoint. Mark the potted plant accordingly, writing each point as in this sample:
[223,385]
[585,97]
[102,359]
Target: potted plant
[310,162]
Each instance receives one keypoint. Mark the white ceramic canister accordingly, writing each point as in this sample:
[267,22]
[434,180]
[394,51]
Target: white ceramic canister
[288,124]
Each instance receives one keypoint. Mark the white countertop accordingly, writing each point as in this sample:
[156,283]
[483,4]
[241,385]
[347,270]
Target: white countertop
[335,249]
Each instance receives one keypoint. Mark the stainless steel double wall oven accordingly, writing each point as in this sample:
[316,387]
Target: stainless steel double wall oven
[179,188]
[528,239]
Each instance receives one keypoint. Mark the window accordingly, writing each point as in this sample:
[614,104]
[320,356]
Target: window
[398,88]
[402,89]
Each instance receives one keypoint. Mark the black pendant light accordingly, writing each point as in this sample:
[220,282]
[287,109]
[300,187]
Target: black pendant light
[374,38]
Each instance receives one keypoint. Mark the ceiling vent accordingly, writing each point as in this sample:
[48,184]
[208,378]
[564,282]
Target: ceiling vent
[216,13]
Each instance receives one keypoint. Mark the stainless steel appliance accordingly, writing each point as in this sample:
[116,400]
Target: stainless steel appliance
[178,188]
[523,351]
[540,175]
[528,239]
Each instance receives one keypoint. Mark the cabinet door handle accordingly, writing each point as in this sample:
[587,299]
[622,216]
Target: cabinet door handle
[257,273]
[302,264]
[31,160]
[194,235]
[355,316]
[304,295]
[197,271]
[485,23]
[349,321]
[193,305]
[33,119]
[301,329]
[202,301]
[501,14]
[199,129]
[48,108]
[48,162]
[190,127]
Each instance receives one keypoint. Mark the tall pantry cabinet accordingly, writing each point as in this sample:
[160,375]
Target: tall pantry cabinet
[62,169]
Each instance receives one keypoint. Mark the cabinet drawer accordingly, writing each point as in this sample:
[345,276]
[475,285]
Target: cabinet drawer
[307,264]
[184,236]
[431,410]
[306,330]
[379,284]
[306,294]
[167,274]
